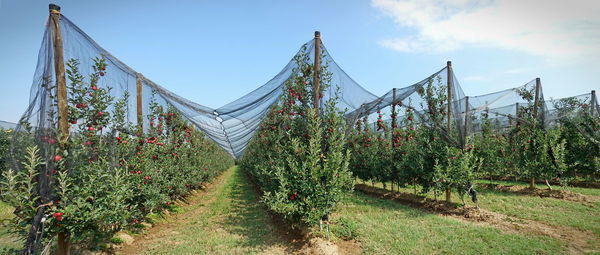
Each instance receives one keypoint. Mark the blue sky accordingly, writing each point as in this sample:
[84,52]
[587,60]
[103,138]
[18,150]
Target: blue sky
[213,52]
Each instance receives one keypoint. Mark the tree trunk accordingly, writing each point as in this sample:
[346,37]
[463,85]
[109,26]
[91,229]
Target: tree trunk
[449,194]
[532,183]
[63,244]
[548,184]
[415,186]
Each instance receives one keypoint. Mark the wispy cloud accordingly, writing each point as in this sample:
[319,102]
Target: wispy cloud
[564,31]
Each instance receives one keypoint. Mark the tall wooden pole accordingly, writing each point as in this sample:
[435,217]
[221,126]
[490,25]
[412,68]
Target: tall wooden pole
[450,84]
[61,94]
[536,105]
[393,126]
[316,81]
[449,81]
[510,120]
[466,121]
[59,69]
[140,117]
[593,103]
[394,116]
[536,102]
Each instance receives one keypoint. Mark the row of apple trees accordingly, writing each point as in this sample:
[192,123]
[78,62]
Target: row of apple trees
[298,157]
[108,174]
[418,150]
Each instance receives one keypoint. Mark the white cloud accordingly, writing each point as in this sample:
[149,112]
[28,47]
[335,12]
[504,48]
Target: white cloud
[557,30]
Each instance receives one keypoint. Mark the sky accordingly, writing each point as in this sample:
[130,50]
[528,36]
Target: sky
[213,52]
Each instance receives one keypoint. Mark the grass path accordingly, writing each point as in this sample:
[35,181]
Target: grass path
[225,219]
[7,240]
[555,216]
[556,212]
[387,227]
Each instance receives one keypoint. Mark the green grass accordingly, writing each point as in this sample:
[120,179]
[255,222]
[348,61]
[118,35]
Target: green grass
[228,220]
[6,240]
[553,211]
[386,227]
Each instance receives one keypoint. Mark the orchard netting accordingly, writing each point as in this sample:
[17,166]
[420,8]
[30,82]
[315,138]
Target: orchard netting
[230,126]
[502,107]
[7,125]
[233,125]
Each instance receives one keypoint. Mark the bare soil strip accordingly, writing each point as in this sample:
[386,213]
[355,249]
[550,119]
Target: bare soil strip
[580,184]
[558,194]
[577,240]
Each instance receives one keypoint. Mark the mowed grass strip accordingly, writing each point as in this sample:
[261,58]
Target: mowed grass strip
[225,220]
[554,212]
[386,227]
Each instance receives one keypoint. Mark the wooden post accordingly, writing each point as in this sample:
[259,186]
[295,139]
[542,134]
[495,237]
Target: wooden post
[394,123]
[140,117]
[593,103]
[61,94]
[536,101]
[59,69]
[316,81]
[517,121]
[394,116]
[466,120]
[449,81]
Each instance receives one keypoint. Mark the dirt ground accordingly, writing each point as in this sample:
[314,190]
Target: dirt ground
[558,194]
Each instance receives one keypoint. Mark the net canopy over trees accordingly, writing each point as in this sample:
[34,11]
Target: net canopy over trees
[232,125]
[126,105]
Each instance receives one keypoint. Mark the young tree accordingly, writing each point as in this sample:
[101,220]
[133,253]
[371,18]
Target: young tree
[299,156]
